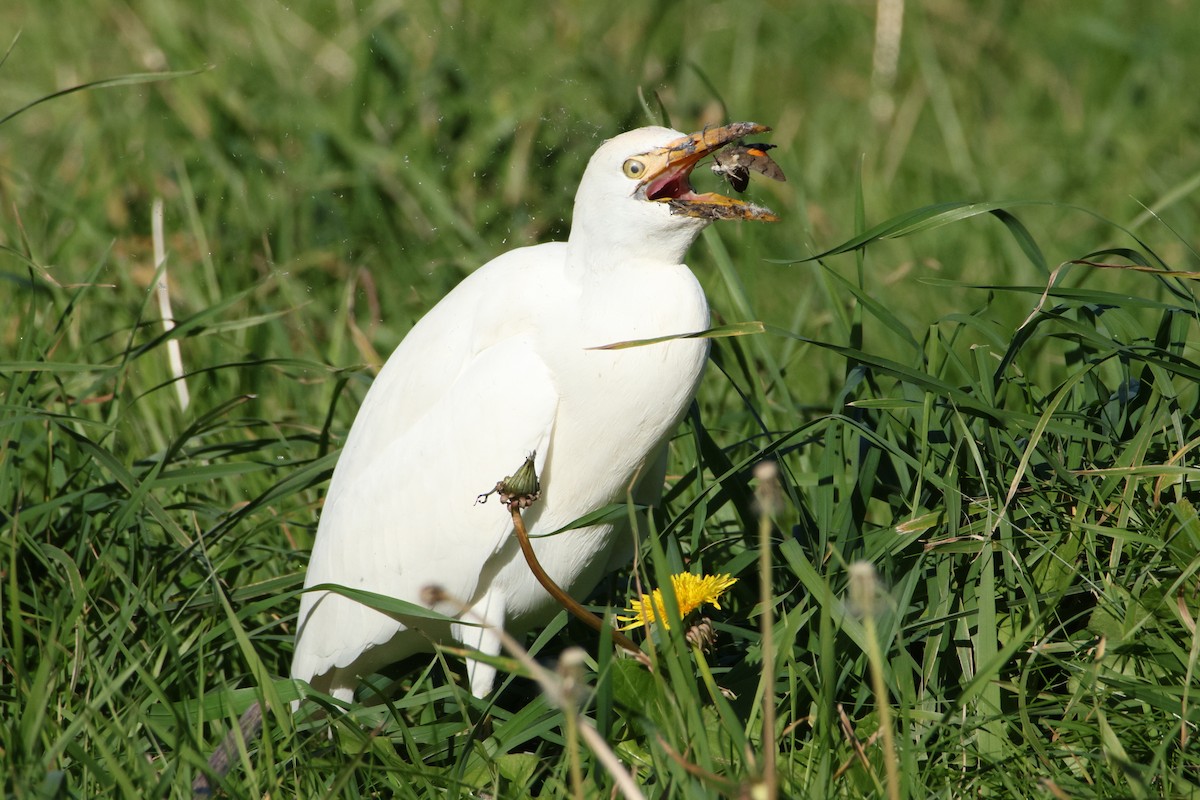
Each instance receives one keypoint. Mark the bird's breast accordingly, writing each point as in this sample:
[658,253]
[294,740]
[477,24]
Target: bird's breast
[617,404]
[616,409]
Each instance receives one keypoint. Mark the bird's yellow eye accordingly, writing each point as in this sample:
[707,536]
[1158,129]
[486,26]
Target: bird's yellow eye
[633,168]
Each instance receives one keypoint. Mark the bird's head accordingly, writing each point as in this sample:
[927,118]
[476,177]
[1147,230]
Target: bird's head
[636,200]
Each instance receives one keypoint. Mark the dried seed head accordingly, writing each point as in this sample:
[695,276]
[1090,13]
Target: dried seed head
[570,674]
[864,588]
[702,634]
[768,494]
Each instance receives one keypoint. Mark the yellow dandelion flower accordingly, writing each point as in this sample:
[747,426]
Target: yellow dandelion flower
[691,591]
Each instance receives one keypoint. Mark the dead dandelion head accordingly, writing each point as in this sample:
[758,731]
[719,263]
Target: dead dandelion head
[701,634]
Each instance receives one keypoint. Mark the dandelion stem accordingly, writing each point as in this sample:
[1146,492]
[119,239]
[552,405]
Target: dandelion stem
[564,599]
[768,502]
[875,656]
[864,587]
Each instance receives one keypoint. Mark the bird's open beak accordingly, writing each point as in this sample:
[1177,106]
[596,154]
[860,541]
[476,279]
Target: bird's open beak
[669,167]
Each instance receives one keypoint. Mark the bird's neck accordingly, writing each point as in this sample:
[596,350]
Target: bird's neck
[599,246]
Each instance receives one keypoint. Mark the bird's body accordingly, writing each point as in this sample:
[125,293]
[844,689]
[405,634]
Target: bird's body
[504,366]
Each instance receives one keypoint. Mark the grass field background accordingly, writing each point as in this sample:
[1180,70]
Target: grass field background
[1017,464]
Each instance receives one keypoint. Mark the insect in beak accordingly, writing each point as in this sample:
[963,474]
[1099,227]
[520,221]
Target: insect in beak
[737,162]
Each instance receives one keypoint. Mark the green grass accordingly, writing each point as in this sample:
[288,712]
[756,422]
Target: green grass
[1025,491]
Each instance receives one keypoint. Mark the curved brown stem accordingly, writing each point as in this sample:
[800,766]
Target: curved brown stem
[564,599]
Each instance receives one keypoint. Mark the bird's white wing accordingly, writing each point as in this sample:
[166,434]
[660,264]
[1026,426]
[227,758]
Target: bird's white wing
[401,512]
[411,518]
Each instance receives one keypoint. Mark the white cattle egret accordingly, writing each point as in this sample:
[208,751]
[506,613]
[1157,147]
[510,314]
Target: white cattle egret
[504,366]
